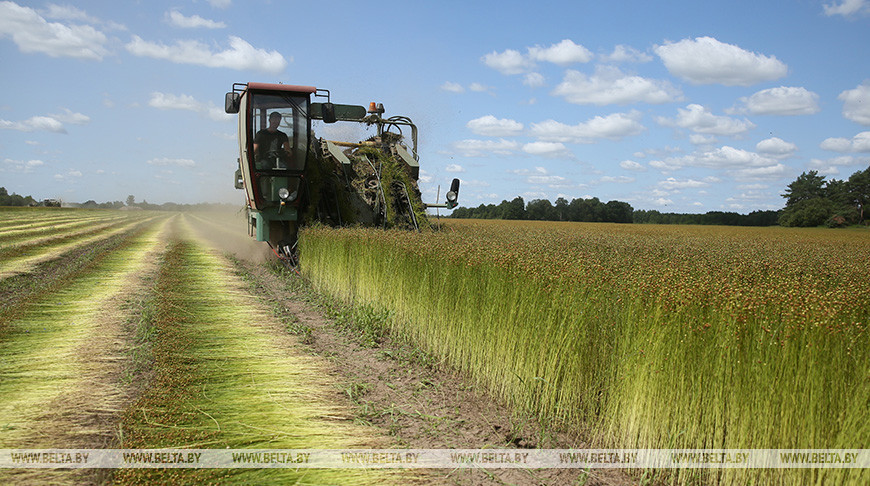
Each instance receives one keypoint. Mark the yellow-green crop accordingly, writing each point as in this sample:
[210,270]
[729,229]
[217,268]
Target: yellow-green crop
[655,337]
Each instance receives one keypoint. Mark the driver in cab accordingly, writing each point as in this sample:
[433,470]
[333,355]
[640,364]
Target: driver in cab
[271,146]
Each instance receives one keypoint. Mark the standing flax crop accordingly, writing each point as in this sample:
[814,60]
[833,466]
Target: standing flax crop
[657,337]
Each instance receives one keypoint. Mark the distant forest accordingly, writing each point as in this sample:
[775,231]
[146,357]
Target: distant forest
[594,211]
[810,201]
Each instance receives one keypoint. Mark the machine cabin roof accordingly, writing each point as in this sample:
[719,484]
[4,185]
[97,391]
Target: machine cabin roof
[281,87]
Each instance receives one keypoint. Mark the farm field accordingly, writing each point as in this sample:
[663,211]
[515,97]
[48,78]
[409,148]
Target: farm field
[640,335]
[130,330]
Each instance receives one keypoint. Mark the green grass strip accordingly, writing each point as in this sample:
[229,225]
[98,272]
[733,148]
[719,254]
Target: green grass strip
[224,379]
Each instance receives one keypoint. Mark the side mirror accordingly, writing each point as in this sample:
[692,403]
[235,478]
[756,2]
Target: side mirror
[239,183]
[327,111]
[453,194]
[232,102]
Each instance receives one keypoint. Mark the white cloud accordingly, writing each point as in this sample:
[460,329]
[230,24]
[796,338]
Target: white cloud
[632,165]
[622,53]
[540,176]
[164,101]
[548,149]
[617,179]
[609,85]
[784,100]
[831,167]
[706,60]
[33,34]
[671,184]
[452,87]
[22,166]
[511,61]
[698,139]
[858,143]
[34,124]
[485,148]
[508,62]
[533,80]
[856,103]
[700,119]
[47,123]
[848,8]
[163,161]
[613,127]
[241,55]
[491,126]
[70,175]
[563,53]
[177,19]
[454,168]
[776,147]
[479,88]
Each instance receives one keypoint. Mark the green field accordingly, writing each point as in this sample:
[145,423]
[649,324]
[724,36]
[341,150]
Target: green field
[645,336]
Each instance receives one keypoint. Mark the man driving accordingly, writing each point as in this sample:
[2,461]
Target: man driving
[271,143]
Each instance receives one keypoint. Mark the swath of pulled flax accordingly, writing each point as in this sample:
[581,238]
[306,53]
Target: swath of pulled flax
[650,337]
[21,257]
[43,230]
[223,379]
[59,359]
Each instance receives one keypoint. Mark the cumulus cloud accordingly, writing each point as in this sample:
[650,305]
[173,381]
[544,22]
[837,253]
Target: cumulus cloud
[622,53]
[776,147]
[741,164]
[671,184]
[632,165]
[612,127]
[534,80]
[706,60]
[831,167]
[163,161]
[700,119]
[540,176]
[784,100]
[548,149]
[454,168]
[165,101]
[46,123]
[617,179]
[858,143]
[609,85]
[33,34]
[511,61]
[491,126]
[177,19]
[241,55]
[564,53]
[485,148]
[452,87]
[848,8]
[22,166]
[856,103]
[508,62]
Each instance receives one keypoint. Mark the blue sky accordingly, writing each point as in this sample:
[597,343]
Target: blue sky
[682,106]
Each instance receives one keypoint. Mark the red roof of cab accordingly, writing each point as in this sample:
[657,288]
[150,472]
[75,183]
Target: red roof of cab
[282,87]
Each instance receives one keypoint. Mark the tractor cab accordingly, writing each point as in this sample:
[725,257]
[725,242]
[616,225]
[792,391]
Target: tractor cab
[274,133]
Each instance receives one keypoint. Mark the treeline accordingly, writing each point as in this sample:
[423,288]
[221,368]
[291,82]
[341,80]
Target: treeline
[582,210]
[755,218]
[13,199]
[813,201]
